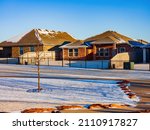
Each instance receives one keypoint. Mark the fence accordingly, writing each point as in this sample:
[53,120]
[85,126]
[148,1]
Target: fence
[9,60]
[97,64]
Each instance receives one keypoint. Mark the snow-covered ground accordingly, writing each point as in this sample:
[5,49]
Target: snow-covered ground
[62,91]
[64,85]
[71,72]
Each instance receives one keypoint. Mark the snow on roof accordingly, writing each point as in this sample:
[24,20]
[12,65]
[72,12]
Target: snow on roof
[37,35]
[46,32]
[17,38]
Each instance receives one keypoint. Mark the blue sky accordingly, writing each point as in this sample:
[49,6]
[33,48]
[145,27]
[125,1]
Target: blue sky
[80,18]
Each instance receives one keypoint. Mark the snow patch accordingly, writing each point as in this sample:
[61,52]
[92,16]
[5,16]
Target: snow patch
[47,32]
[63,91]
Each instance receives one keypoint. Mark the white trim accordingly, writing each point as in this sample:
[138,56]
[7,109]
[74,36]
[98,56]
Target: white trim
[71,47]
[96,43]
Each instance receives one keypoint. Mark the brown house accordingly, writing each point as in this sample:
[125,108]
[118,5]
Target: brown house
[28,42]
[103,47]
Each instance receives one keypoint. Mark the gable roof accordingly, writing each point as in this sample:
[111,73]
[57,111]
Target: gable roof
[76,44]
[42,36]
[106,40]
[111,35]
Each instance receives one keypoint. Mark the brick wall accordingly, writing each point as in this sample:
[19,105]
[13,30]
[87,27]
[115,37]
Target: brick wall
[81,54]
[26,49]
[109,46]
[127,46]
[90,54]
[41,48]
[15,52]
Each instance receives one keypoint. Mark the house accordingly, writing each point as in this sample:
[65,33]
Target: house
[104,47]
[77,50]
[27,42]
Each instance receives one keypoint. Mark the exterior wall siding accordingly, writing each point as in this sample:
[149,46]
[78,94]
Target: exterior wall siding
[26,49]
[41,48]
[126,46]
[16,50]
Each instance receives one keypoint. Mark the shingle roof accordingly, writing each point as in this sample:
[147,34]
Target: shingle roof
[108,39]
[47,37]
[111,35]
[77,43]
[136,44]
[139,44]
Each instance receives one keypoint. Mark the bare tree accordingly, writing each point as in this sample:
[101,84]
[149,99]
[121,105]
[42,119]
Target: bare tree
[38,58]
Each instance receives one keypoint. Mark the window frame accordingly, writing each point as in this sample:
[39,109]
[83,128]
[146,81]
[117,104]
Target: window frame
[73,53]
[120,49]
[103,52]
[70,52]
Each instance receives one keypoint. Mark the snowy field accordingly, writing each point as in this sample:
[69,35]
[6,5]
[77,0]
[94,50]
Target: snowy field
[64,85]
[62,91]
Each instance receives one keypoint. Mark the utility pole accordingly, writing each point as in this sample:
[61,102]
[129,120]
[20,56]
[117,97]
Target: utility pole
[38,59]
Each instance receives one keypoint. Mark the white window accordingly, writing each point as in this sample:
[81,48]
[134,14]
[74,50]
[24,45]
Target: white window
[122,49]
[103,52]
[73,52]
